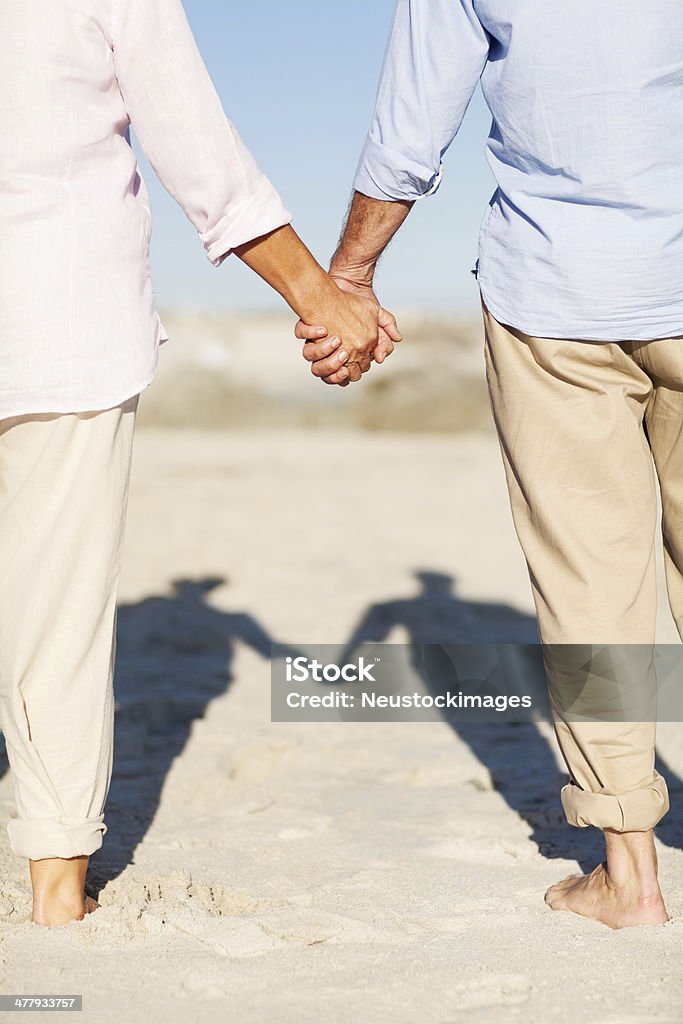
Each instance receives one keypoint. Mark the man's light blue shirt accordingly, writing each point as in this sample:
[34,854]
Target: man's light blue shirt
[583,237]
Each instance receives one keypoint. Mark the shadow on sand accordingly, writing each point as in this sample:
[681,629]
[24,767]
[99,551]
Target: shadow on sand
[519,758]
[175,655]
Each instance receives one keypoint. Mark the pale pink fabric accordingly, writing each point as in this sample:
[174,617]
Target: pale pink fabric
[79,327]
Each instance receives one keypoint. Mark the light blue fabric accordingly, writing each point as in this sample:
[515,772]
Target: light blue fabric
[583,238]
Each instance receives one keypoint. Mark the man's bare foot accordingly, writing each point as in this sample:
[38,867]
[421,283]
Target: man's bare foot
[622,892]
[596,896]
[58,890]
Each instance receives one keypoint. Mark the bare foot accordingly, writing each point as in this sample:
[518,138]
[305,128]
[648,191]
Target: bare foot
[61,912]
[597,897]
[622,892]
[58,891]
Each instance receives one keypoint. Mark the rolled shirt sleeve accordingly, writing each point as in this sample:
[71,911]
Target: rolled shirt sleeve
[193,147]
[436,53]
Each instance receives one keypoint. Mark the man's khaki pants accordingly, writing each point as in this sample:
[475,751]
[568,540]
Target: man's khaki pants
[582,426]
[63,497]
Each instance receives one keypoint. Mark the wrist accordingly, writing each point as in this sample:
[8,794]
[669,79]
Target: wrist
[359,279]
[311,293]
[284,262]
[359,271]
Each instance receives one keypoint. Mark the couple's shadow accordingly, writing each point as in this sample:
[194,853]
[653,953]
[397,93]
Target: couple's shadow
[175,655]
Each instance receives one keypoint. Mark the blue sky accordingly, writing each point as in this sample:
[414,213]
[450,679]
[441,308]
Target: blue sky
[299,81]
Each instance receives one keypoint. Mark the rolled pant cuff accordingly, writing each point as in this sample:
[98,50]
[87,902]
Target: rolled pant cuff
[55,837]
[636,810]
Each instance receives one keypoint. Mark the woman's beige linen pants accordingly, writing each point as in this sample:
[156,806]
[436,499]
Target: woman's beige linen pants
[63,497]
[583,426]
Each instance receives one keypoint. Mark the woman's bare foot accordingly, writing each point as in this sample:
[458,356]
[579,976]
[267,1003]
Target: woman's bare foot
[622,892]
[58,890]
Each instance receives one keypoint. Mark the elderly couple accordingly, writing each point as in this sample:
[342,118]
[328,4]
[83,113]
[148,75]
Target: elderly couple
[580,271]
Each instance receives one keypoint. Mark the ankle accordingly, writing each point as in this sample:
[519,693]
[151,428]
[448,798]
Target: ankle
[60,879]
[632,863]
[64,890]
[651,898]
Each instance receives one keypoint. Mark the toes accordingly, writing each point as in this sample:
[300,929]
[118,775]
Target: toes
[90,905]
[552,894]
[556,892]
[557,897]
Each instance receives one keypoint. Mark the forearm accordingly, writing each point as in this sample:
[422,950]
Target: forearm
[194,148]
[283,261]
[370,226]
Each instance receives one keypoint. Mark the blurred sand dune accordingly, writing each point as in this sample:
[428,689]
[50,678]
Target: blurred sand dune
[247,371]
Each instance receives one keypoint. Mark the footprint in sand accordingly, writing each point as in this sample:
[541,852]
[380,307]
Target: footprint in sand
[135,907]
[234,923]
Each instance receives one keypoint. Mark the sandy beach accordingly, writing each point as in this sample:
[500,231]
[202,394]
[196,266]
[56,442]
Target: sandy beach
[341,872]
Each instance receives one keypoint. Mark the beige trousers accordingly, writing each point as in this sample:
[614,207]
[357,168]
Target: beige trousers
[583,426]
[63,497]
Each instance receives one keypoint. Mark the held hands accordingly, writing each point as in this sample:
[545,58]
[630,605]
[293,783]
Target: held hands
[342,323]
[356,331]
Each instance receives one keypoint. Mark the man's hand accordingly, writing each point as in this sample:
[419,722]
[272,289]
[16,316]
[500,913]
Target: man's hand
[370,226]
[323,350]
